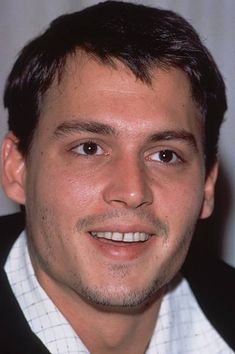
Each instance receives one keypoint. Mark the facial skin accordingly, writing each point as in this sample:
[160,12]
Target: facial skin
[112,154]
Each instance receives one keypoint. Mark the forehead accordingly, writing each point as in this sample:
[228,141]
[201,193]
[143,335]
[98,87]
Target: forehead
[89,90]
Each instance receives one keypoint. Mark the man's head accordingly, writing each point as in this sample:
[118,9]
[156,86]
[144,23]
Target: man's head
[141,38]
[115,114]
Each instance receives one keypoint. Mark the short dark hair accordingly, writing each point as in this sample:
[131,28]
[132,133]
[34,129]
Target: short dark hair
[140,37]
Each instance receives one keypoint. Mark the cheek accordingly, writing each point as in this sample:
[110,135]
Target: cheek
[64,190]
[180,202]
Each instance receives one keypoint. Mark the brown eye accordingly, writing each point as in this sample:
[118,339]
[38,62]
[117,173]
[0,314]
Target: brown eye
[165,156]
[88,148]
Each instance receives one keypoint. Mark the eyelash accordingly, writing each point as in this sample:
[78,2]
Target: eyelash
[177,159]
[175,156]
[89,142]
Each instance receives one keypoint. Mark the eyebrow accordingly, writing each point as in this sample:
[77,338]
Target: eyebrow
[75,126]
[181,135]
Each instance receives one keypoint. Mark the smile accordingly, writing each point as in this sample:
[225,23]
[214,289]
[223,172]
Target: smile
[122,236]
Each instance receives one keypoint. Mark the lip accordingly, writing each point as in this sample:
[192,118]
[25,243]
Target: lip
[124,229]
[119,250]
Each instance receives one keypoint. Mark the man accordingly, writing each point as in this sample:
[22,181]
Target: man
[114,117]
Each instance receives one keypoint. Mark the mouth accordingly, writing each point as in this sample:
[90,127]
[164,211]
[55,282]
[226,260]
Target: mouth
[128,237]
[120,246]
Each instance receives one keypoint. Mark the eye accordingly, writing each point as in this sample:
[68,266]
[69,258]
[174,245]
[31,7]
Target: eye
[165,156]
[88,148]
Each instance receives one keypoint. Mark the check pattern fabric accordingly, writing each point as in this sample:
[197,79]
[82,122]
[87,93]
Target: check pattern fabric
[181,327]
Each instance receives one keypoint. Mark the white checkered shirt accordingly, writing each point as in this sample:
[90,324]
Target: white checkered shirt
[181,327]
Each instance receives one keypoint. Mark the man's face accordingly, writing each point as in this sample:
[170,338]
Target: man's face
[114,182]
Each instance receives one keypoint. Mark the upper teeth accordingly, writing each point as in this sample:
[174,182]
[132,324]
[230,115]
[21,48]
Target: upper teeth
[122,236]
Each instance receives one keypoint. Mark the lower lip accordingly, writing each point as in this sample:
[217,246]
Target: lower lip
[123,251]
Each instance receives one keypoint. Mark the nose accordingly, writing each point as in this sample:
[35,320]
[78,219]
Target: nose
[128,185]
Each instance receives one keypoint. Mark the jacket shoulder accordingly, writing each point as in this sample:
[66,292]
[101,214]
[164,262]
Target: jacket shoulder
[10,228]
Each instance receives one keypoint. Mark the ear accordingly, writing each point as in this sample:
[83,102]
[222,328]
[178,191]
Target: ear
[209,192]
[13,169]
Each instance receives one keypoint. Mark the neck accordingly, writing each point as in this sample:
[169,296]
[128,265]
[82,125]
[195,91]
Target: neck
[105,330]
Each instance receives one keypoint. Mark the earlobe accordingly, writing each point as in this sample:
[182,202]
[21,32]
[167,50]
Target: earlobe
[13,169]
[209,192]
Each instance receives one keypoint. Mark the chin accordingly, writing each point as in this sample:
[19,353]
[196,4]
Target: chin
[120,298]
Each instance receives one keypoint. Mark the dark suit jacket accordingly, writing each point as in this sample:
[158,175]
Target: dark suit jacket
[212,281]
